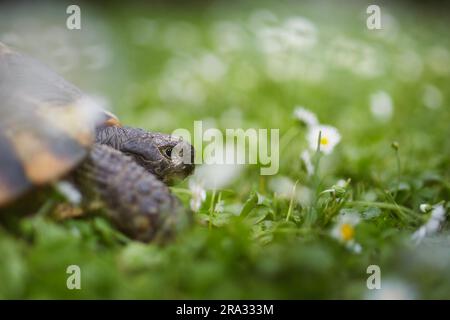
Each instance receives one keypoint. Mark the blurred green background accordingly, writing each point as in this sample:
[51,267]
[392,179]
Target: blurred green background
[249,64]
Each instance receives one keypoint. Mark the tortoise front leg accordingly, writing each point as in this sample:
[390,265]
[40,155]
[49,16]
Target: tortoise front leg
[135,200]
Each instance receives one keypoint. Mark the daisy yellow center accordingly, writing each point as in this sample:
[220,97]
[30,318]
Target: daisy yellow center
[347,231]
[324,141]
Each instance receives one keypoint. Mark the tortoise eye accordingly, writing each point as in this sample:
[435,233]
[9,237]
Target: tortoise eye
[168,152]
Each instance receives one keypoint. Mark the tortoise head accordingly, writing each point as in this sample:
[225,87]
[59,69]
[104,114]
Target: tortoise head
[168,157]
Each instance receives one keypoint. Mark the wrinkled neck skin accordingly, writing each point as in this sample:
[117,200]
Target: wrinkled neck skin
[142,145]
[115,136]
[148,149]
[139,143]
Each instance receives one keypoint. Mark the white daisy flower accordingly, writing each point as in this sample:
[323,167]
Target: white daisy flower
[198,195]
[381,106]
[344,231]
[329,138]
[305,156]
[305,116]
[425,207]
[432,225]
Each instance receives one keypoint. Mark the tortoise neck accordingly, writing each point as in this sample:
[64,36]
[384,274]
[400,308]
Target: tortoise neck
[113,136]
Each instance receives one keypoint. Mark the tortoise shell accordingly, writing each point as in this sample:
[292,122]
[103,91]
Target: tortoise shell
[46,124]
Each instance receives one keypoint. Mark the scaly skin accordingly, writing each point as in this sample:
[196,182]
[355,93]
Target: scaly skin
[127,170]
[136,201]
[151,150]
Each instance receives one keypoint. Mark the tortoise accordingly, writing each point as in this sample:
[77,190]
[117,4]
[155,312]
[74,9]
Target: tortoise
[51,131]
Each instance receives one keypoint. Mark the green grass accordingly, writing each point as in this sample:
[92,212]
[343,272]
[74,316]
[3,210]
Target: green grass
[264,244]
